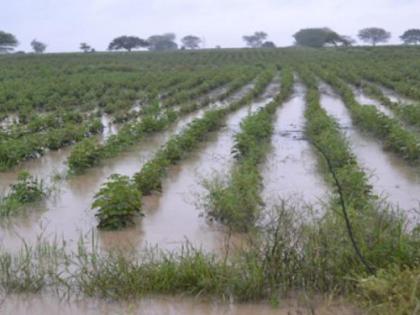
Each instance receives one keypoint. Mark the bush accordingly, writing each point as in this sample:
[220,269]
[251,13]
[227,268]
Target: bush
[118,201]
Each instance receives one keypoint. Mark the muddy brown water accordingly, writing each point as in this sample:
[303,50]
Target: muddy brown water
[391,177]
[290,172]
[46,305]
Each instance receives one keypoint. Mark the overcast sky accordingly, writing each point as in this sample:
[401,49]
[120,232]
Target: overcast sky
[63,24]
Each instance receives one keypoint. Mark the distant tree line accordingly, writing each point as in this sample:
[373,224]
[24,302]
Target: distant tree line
[309,37]
[164,42]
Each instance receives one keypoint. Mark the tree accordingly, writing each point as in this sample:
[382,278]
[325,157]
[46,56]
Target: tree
[411,36]
[319,37]
[374,35]
[256,40]
[85,47]
[347,40]
[191,42]
[162,42]
[7,41]
[38,46]
[268,44]
[127,42]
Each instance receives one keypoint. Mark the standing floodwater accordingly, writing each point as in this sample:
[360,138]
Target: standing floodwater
[290,172]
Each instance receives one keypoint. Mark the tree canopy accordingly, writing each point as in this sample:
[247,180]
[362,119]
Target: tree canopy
[7,41]
[85,47]
[38,46]
[127,42]
[411,36]
[374,35]
[162,42]
[191,42]
[256,40]
[268,44]
[319,37]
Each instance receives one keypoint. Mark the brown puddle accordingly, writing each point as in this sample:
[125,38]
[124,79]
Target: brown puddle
[46,305]
[290,171]
[390,176]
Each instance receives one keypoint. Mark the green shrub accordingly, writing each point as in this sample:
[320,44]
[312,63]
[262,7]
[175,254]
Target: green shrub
[118,202]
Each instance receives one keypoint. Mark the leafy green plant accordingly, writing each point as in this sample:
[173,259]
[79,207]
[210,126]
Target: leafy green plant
[118,202]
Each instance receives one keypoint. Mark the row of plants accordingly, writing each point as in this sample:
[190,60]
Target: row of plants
[88,154]
[149,178]
[395,137]
[236,201]
[408,113]
[14,151]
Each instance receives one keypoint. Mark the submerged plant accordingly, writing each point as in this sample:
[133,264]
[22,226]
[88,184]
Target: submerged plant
[28,189]
[118,202]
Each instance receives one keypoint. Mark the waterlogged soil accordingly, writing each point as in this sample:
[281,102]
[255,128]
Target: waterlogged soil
[45,305]
[290,172]
[67,214]
[391,177]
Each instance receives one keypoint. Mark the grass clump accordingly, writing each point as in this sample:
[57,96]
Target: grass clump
[118,202]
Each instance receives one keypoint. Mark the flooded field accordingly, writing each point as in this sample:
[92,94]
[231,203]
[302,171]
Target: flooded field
[67,214]
[390,176]
[237,183]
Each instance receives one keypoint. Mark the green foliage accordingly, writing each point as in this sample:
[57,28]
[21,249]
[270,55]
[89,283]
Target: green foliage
[118,202]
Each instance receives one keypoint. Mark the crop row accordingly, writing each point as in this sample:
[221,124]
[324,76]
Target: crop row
[88,154]
[395,137]
[237,202]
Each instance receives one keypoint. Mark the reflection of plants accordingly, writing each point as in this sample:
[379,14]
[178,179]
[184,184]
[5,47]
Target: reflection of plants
[28,189]
[118,201]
